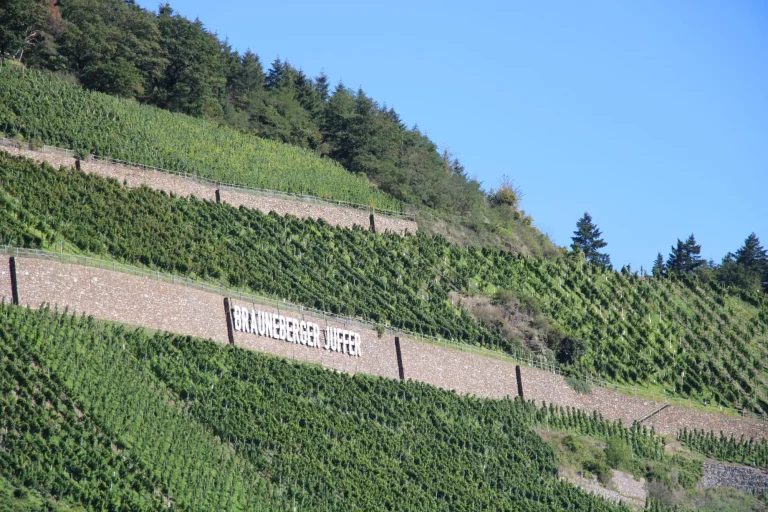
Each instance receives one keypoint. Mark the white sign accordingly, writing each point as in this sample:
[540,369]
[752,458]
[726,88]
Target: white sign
[292,330]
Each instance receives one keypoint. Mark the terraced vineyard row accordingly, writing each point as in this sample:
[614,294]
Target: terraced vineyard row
[145,446]
[692,341]
[47,446]
[722,447]
[41,107]
[332,441]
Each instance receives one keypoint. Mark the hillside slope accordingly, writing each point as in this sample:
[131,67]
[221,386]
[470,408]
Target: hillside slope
[694,341]
[329,441]
[40,107]
[87,424]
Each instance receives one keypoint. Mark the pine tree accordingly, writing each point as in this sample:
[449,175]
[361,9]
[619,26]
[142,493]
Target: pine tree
[587,240]
[686,257]
[659,268]
[752,255]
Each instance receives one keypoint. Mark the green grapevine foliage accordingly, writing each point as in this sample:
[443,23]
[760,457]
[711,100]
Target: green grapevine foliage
[40,106]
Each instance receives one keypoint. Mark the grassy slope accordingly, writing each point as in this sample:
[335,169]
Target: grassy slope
[21,499]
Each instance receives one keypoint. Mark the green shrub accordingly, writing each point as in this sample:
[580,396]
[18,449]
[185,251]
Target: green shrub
[572,443]
[617,453]
[580,386]
[690,472]
[599,468]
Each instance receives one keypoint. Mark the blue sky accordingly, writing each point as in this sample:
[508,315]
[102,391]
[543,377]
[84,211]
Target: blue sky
[652,116]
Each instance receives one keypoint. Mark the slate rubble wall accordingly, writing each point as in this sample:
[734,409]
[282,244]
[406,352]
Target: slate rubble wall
[181,186]
[143,301]
[741,477]
[121,297]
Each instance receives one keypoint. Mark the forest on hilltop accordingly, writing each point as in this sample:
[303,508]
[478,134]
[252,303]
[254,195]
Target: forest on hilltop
[169,61]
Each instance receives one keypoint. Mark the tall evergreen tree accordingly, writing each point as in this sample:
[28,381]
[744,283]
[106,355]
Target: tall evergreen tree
[194,81]
[752,255]
[587,240]
[659,268]
[322,85]
[247,88]
[685,258]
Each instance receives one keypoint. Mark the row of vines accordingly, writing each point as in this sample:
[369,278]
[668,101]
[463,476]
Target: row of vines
[85,422]
[727,448]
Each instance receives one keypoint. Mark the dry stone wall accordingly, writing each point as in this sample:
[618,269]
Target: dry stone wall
[142,301]
[6,289]
[675,418]
[464,372]
[121,297]
[740,477]
[541,385]
[182,186]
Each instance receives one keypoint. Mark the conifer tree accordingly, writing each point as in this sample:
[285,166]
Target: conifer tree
[686,257]
[659,268]
[752,255]
[587,240]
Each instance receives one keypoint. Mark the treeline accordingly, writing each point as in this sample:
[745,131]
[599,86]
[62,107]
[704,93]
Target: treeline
[745,269]
[167,60]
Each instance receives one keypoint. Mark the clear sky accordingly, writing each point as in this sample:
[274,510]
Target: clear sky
[652,116]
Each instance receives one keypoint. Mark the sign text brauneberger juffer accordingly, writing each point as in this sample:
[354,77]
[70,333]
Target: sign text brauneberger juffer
[293,330]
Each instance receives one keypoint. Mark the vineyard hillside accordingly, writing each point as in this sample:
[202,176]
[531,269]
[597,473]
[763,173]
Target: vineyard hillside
[42,108]
[143,421]
[670,335]
[39,108]
[226,286]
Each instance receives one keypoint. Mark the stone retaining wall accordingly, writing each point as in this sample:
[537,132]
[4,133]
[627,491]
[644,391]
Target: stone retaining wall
[143,301]
[464,372]
[544,386]
[181,186]
[121,298]
[5,280]
[377,354]
[740,477]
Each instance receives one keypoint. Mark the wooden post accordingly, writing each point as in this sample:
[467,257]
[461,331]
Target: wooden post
[230,328]
[519,382]
[399,352]
[14,282]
